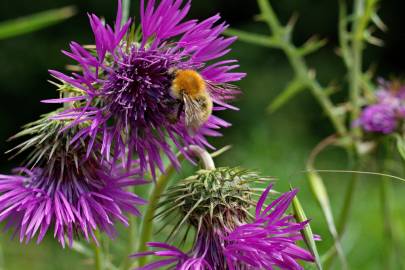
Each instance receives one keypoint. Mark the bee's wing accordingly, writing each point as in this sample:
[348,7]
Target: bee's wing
[223,91]
[195,114]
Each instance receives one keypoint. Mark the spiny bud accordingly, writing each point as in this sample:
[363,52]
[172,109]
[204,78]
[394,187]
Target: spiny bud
[210,198]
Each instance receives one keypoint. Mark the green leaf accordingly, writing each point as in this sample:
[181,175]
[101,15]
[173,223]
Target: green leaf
[401,145]
[378,22]
[319,190]
[34,22]
[256,39]
[307,231]
[81,249]
[312,45]
[292,89]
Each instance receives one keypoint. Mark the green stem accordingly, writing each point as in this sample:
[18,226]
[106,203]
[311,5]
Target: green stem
[126,5]
[131,245]
[270,17]
[2,264]
[98,254]
[303,72]
[159,188]
[147,224]
[363,11]
[299,65]
[355,69]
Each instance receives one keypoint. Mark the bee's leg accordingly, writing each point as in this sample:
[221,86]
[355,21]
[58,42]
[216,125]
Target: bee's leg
[180,110]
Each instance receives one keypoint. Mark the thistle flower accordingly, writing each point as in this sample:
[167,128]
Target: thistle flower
[60,189]
[123,88]
[384,116]
[379,118]
[217,205]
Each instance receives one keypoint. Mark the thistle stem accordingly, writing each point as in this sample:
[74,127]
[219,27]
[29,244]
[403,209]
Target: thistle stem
[159,188]
[98,254]
[2,264]
[126,5]
[131,245]
[204,156]
[299,65]
[355,69]
[316,89]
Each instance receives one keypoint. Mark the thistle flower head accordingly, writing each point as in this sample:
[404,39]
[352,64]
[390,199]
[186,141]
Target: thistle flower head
[385,115]
[379,118]
[123,87]
[58,188]
[218,205]
[220,197]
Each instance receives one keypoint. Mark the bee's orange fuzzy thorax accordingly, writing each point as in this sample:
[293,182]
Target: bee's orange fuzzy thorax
[188,82]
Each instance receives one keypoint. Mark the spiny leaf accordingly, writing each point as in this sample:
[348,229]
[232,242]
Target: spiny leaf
[256,39]
[293,88]
[307,231]
[34,22]
[378,22]
[312,45]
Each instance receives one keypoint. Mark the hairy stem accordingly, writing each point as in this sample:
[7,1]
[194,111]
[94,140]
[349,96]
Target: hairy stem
[159,188]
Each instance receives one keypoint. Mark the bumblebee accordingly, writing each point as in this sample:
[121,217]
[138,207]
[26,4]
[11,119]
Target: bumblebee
[190,90]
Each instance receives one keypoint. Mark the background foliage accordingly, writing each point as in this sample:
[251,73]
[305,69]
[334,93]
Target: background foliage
[277,144]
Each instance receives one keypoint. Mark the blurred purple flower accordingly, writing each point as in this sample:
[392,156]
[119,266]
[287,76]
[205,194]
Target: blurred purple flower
[125,84]
[62,190]
[379,118]
[268,241]
[75,202]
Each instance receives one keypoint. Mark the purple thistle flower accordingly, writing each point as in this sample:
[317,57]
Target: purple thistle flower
[59,189]
[270,240]
[125,82]
[379,118]
[227,237]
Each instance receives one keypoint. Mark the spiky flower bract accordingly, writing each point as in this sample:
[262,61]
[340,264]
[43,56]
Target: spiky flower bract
[125,81]
[61,189]
[218,205]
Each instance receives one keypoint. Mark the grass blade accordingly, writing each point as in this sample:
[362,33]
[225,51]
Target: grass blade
[319,190]
[307,232]
[34,22]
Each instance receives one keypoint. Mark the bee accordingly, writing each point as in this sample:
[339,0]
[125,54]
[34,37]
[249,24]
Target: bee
[190,90]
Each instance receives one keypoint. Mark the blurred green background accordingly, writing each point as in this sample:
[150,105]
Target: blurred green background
[276,144]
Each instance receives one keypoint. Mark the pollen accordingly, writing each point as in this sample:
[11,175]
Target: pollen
[188,82]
